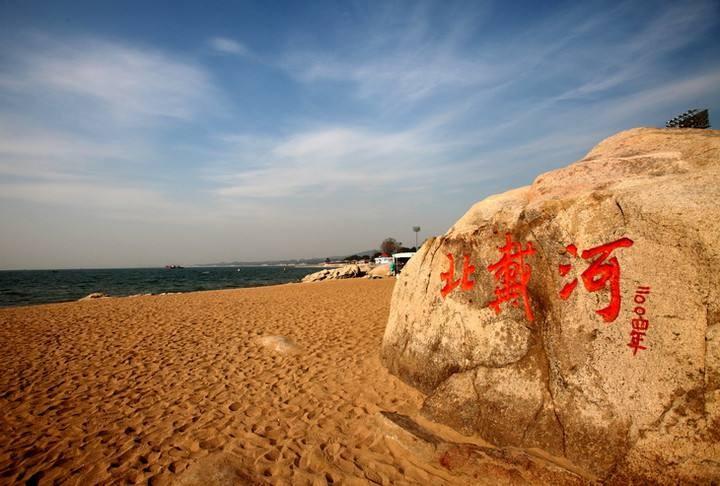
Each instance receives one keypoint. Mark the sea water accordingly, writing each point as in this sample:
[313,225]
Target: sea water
[25,287]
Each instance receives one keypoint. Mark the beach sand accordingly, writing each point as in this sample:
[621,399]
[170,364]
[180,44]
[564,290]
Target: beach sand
[178,389]
[137,389]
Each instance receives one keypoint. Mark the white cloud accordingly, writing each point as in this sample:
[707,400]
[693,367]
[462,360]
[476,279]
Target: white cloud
[121,81]
[324,161]
[84,136]
[229,46]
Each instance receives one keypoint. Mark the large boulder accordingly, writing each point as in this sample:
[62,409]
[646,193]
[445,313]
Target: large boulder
[603,344]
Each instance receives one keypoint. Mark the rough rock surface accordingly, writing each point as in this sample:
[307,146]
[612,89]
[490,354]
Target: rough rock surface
[567,381]
[473,463]
[380,271]
[347,271]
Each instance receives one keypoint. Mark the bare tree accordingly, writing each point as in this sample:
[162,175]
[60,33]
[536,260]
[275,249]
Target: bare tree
[389,246]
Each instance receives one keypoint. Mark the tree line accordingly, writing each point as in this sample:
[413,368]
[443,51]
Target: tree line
[387,247]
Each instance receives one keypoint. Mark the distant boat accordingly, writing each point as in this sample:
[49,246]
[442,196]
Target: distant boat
[173,267]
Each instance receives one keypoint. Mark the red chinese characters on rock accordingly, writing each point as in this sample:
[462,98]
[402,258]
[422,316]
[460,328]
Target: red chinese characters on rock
[639,324]
[602,272]
[513,275]
[464,281]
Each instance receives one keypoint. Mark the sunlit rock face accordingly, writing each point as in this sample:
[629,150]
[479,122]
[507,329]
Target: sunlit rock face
[347,271]
[581,314]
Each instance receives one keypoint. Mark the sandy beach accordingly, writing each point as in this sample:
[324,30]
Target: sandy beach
[176,388]
[377,243]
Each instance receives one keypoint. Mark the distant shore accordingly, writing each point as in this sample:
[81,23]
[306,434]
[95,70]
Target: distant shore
[299,265]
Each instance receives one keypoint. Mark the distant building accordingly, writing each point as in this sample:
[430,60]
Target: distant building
[383,259]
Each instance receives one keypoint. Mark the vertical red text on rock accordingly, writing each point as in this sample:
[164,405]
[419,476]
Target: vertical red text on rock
[602,272]
[639,323]
[449,277]
[512,274]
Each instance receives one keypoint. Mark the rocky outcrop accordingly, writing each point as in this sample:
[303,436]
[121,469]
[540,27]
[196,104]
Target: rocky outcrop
[93,296]
[603,344]
[380,271]
[347,271]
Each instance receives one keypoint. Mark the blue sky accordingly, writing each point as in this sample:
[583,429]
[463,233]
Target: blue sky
[145,133]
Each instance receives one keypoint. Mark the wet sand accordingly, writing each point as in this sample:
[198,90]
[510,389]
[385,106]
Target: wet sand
[176,388]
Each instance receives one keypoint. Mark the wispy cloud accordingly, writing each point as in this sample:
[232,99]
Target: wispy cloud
[328,161]
[588,50]
[229,46]
[409,76]
[536,100]
[127,83]
[405,63]
[82,129]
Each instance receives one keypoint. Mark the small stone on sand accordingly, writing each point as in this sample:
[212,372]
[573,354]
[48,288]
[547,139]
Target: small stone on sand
[279,344]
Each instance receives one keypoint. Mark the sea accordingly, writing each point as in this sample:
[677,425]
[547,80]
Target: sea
[27,287]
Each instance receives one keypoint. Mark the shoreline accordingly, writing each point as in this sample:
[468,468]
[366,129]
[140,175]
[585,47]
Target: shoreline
[138,296]
[165,294]
[25,288]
